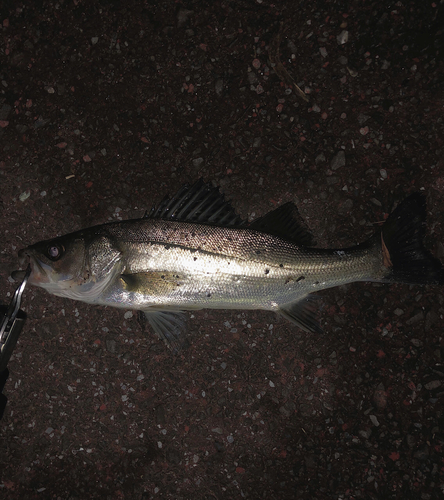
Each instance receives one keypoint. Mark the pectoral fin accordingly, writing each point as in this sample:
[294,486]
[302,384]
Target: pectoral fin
[169,326]
[303,313]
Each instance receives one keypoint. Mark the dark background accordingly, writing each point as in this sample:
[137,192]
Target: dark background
[105,107]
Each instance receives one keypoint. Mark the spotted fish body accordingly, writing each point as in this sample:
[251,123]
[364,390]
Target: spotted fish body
[188,265]
[193,252]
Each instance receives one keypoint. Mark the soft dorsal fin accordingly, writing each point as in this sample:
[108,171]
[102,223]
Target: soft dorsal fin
[285,222]
[199,203]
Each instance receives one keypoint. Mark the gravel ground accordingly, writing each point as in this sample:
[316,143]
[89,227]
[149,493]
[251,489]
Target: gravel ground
[107,107]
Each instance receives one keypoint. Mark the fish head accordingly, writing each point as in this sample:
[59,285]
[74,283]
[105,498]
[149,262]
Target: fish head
[75,266]
[57,261]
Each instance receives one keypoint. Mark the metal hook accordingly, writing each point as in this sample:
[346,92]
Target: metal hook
[14,307]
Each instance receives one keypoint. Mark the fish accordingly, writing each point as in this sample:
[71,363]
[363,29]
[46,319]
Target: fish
[194,252]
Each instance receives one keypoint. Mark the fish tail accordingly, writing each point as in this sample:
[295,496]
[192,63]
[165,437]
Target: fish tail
[404,255]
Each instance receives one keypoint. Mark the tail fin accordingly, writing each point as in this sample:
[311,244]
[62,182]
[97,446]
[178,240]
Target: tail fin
[402,246]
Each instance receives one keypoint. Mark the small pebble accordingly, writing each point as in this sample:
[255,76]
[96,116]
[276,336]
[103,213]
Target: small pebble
[256,63]
[374,420]
[25,195]
[338,160]
[219,86]
[197,162]
[342,37]
[434,384]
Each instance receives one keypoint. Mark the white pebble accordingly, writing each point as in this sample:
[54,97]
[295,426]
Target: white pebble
[374,420]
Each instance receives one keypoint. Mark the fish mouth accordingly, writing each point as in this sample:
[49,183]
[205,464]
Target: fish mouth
[38,274]
[18,275]
[24,257]
[24,260]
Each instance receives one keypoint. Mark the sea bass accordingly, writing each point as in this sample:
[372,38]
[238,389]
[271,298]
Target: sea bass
[193,252]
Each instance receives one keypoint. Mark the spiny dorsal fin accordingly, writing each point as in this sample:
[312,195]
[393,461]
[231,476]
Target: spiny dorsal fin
[285,222]
[199,203]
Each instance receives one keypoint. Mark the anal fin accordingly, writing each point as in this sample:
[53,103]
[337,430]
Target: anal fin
[303,313]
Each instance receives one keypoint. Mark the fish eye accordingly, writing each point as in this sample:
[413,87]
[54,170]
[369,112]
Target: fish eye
[55,251]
